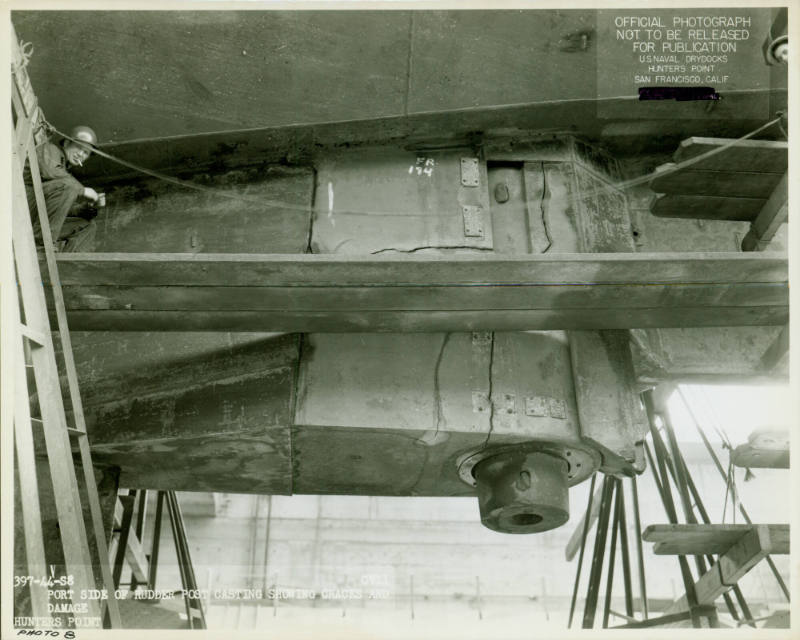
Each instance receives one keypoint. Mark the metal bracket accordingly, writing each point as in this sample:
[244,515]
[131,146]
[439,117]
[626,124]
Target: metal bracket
[473,221]
[544,406]
[470,172]
[536,406]
[557,408]
[481,338]
[480,402]
[509,403]
[581,460]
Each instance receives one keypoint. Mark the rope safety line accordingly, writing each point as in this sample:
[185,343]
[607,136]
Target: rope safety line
[26,51]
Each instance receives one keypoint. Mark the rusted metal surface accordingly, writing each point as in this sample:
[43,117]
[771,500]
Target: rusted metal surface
[510,214]
[273,214]
[581,460]
[611,415]
[262,83]
[220,422]
[427,381]
[522,492]
[418,405]
[394,201]
[705,355]
[413,409]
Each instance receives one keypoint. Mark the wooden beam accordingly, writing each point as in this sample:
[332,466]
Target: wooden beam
[575,539]
[704,610]
[28,487]
[62,471]
[337,270]
[248,292]
[432,298]
[749,550]
[735,184]
[356,320]
[134,553]
[764,156]
[136,558]
[707,207]
[707,539]
[771,216]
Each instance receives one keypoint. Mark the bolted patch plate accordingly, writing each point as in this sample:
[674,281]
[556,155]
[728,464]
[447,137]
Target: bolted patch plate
[470,172]
[473,221]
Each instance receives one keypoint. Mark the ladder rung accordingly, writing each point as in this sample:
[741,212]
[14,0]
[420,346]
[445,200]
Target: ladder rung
[75,432]
[32,334]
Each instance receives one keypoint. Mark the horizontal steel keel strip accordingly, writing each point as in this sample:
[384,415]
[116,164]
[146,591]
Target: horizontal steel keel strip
[548,297]
[265,270]
[422,321]
[247,292]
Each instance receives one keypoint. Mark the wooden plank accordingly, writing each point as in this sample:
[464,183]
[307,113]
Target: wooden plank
[771,216]
[209,269]
[72,384]
[411,321]
[735,184]
[693,539]
[764,156]
[28,488]
[251,292]
[62,471]
[122,544]
[756,544]
[704,610]
[545,297]
[24,127]
[134,553]
[37,337]
[575,539]
[707,207]
[697,539]
[765,449]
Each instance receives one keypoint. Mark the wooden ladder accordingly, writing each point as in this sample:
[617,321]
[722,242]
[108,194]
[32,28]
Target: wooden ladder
[33,345]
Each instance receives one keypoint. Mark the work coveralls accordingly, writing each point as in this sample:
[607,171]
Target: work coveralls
[70,233]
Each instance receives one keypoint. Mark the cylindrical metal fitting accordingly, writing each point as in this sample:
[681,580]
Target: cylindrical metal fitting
[522,492]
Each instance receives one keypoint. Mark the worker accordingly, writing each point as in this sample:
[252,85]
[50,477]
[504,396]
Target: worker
[71,224]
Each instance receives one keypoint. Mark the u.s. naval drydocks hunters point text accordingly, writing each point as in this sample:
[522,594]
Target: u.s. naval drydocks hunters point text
[684,50]
[680,47]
